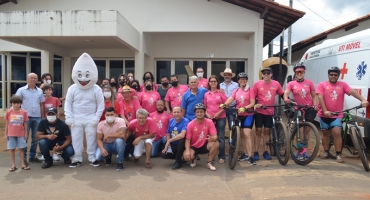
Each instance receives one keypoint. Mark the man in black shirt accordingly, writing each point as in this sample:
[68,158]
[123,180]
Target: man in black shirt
[54,134]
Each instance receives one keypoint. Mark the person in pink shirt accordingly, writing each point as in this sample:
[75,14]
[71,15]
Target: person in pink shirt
[16,131]
[144,130]
[201,138]
[123,81]
[148,97]
[202,82]
[50,101]
[128,105]
[212,100]
[331,97]
[265,91]
[148,76]
[245,100]
[161,119]
[174,95]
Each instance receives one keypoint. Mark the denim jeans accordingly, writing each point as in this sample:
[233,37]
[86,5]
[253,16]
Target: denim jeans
[230,114]
[117,147]
[33,123]
[158,144]
[46,145]
[220,127]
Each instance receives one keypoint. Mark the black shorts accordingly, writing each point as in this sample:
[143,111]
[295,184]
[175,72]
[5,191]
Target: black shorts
[310,114]
[201,150]
[263,120]
[246,121]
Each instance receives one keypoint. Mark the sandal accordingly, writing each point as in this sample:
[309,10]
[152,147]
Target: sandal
[193,163]
[210,166]
[13,169]
[148,165]
[26,168]
[221,161]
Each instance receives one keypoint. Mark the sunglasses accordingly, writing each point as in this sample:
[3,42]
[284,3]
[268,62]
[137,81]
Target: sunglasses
[335,75]
[266,73]
[299,72]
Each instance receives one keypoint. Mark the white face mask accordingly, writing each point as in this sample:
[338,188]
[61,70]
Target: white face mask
[107,94]
[110,119]
[47,82]
[200,74]
[51,118]
[130,78]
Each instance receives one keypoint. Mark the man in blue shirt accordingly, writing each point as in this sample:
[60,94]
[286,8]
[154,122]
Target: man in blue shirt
[176,132]
[193,96]
[229,87]
[32,98]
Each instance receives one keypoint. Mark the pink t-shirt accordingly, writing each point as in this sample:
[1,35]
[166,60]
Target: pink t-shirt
[129,109]
[155,88]
[212,102]
[148,100]
[243,98]
[106,129]
[137,130]
[51,102]
[174,95]
[203,83]
[198,133]
[161,120]
[333,96]
[301,91]
[15,121]
[266,93]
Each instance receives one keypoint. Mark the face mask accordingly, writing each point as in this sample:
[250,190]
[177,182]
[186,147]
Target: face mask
[113,84]
[51,118]
[47,82]
[110,119]
[121,83]
[174,84]
[107,94]
[200,75]
[165,84]
[130,78]
[160,111]
[147,78]
[148,87]
[134,87]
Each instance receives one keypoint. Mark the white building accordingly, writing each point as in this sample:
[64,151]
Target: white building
[160,36]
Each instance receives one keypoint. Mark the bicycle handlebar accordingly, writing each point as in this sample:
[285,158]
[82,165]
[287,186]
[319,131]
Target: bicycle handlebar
[274,106]
[236,109]
[345,111]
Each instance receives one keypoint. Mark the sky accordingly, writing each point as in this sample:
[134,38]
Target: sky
[333,13]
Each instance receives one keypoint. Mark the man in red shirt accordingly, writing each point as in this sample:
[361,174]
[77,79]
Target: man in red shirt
[201,138]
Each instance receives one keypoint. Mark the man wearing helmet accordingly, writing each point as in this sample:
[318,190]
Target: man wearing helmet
[201,138]
[331,97]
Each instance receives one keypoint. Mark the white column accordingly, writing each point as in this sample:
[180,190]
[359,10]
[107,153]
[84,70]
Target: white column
[47,62]
[139,65]
[255,62]
[3,78]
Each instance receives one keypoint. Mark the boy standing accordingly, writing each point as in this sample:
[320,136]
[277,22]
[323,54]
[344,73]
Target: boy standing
[15,131]
[50,101]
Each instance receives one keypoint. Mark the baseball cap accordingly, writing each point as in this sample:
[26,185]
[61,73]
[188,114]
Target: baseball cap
[266,69]
[51,110]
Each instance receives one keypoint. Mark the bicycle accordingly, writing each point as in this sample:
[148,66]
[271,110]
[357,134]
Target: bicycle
[354,132]
[303,135]
[278,143]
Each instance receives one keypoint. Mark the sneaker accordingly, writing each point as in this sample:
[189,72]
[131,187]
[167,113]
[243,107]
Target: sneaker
[46,165]
[339,159]
[256,156]
[56,157]
[119,167]
[306,156]
[244,157]
[299,156]
[266,155]
[177,165]
[75,164]
[35,159]
[325,155]
[41,157]
[210,166]
[67,162]
[95,163]
[108,161]
[251,161]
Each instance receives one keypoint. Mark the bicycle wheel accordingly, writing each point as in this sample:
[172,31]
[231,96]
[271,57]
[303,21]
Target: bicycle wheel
[271,143]
[304,143]
[359,146]
[332,152]
[282,147]
[234,146]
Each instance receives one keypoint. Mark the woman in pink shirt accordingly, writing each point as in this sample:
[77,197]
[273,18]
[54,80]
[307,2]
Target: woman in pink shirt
[245,100]
[148,97]
[212,99]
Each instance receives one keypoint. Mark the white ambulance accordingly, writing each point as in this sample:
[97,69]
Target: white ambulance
[351,54]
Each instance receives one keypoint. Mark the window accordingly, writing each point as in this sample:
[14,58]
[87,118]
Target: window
[130,66]
[237,67]
[115,68]
[57,71]
[19,68]
[163,69]
[181,72]
[100,64]
[200,64]
[14,87]
[36,67]
[218,67]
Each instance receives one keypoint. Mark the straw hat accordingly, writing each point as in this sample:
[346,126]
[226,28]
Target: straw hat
[126,88]
[228,70]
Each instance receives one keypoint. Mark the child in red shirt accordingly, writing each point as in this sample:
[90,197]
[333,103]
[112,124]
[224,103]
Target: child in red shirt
[50,101]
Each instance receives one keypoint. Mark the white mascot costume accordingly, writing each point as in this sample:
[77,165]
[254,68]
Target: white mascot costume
[83,107]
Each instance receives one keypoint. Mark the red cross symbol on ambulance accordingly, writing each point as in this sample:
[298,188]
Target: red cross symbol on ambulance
[343,71]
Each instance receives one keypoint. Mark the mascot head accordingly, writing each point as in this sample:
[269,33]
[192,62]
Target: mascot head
[85,72]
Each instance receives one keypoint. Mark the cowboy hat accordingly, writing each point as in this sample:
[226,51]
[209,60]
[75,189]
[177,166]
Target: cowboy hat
[228,70]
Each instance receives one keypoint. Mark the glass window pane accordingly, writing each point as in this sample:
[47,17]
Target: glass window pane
[37,54]
[163,69]
[181,70]
[101,68]
[115,68]
[129,67]
[36,67]
[18,68]
[57,71]
[58,90]
[218,67]
[1,93]
[200,64]
[1,67]
[237,67]
[14,87]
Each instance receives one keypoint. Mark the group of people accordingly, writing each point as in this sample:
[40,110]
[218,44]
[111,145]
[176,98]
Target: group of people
[174,120]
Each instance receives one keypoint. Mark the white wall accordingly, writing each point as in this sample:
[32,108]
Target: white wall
[6,46]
